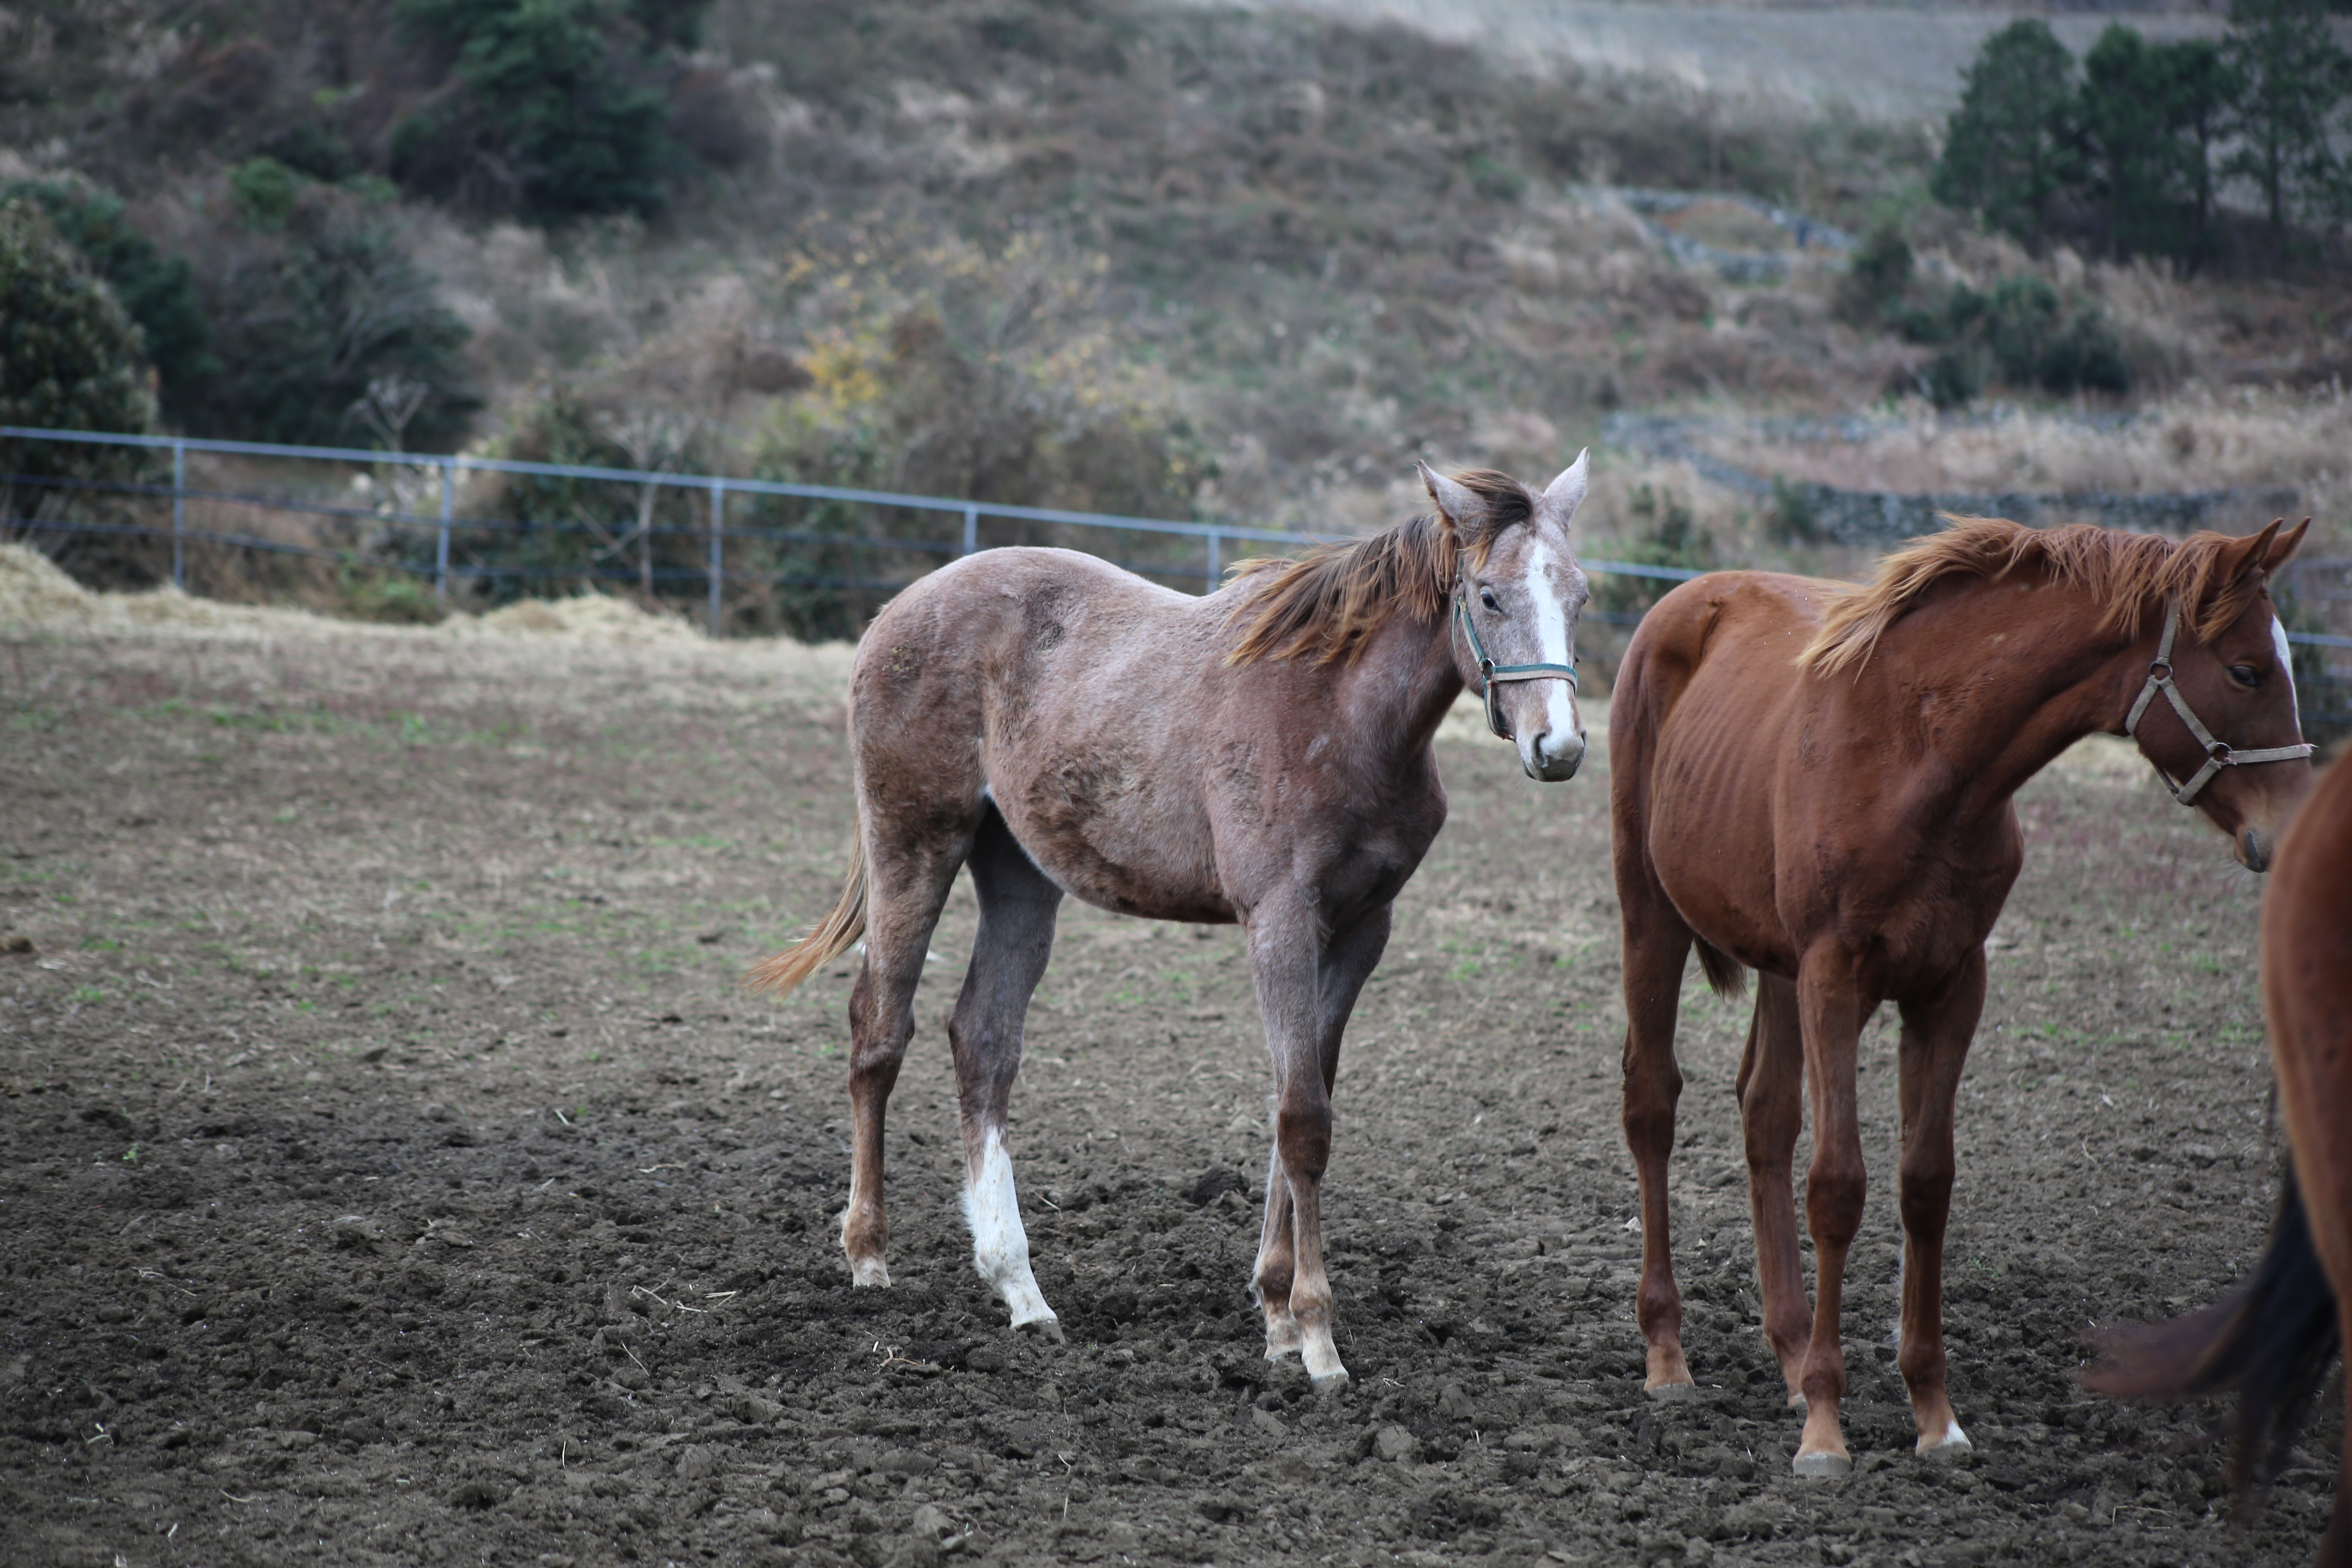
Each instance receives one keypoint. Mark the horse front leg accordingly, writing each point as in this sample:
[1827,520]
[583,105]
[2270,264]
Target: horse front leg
[1829,1009]
[1305,998]
[1936,1036]
[1772,1113]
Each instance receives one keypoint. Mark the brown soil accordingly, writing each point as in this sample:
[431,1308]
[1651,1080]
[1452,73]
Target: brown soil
[390,1171]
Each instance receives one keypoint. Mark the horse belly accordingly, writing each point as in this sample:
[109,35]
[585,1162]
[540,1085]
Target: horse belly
[1104,839]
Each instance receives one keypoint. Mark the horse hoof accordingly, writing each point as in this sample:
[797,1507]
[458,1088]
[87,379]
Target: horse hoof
[1332,1382]
[1823,1464]
[871,1271]
[1048,1327]
[1283,1339]
[1672,1393]
[1798,1402]
[1951,1446]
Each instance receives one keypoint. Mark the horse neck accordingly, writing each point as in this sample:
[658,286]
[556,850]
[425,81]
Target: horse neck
[2010,676]
[1400,688]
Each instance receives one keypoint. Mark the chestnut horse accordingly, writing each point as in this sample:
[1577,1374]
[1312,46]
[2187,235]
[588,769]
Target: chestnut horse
[2273,1340]
[1812,780]
[1259,755]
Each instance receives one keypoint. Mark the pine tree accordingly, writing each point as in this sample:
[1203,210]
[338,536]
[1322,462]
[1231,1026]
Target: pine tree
[2009,146]
[2292,77]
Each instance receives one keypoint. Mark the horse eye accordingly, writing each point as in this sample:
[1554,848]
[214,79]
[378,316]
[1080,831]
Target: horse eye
[1487,598]
[2245,674]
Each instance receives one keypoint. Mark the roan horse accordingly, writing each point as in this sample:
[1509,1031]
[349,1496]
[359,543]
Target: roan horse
[1260,755]
[2273,1340]
[1812,780]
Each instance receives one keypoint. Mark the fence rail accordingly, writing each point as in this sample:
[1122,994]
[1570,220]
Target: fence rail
[700,550]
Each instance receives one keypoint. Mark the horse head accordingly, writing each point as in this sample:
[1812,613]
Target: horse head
[2234,682]
[1517,595]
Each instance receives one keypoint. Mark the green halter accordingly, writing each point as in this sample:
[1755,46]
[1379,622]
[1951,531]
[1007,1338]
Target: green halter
[1490,673]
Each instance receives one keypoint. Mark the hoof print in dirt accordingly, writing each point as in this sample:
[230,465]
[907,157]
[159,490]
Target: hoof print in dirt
[477,1495]
[1213,1183]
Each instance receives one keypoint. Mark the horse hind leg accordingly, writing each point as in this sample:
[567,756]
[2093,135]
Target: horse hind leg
[1018,904]
[906,883]
[1656,946]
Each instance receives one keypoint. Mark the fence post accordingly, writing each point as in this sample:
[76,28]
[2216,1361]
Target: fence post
[179,512]
[718,557]
[1217,560]
[971,529]
[441,545]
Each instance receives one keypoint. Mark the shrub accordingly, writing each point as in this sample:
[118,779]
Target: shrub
[69,360]
[2020,334]
[1877,277]
[158,291]
[310,309]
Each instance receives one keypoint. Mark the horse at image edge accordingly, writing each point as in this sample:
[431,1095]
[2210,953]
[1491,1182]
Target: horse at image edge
[2272,1343]
[1260,755]
[1813,780]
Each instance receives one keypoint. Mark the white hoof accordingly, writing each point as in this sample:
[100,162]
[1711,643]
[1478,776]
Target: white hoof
[1281,1337]
[1027,1304]
[1823,1464]
[871,1271]
[1672,1393]
[1951,1446]
[1322,1359]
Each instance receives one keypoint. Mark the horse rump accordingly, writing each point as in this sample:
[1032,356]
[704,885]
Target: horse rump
[835,935]
[2271,1342]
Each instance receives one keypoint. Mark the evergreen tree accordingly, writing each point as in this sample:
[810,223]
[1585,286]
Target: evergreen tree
[69,354]
[2292,77]
[2009,146]
[2149,115]
[555,93]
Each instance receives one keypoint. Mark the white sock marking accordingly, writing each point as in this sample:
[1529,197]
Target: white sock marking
[1000,1247]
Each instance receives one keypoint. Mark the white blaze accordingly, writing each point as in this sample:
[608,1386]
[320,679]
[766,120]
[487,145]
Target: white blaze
[1000,1247]
[1551,639]
[2286,667]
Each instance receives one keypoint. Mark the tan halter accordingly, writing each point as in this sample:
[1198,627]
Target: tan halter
[2219,755]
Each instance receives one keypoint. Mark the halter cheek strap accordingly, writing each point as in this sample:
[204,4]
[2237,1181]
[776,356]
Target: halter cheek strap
[1491,674]
[2219,755]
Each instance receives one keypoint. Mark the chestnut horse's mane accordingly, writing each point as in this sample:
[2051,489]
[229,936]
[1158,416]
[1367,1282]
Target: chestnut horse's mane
[2130,575]
[1328,602]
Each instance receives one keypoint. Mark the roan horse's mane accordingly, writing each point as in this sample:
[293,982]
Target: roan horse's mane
[1326,603]
[2130,575]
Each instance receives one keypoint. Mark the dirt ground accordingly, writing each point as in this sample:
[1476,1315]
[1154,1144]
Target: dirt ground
[390,1171]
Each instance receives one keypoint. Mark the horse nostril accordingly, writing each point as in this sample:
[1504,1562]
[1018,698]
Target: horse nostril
[2253,851]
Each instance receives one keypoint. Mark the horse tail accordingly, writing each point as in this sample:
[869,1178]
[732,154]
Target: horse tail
[835,935]
[1726,976]
[2271,1341]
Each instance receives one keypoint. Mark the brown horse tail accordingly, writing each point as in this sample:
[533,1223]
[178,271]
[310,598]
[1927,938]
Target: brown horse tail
[2271,1342]
[835,935]
[1726,976]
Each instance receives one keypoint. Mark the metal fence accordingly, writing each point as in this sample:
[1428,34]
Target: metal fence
[408,514]
[397,535]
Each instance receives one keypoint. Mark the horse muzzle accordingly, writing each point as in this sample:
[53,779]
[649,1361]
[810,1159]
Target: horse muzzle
[2253,849]
[1551,762]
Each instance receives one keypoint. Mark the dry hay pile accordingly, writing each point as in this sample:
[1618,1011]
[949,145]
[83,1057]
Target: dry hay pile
[36,596]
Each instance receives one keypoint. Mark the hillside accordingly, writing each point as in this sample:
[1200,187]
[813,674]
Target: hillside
[1160,259]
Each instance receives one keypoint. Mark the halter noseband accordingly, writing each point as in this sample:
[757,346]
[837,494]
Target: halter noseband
[1490,673]
[2219,755]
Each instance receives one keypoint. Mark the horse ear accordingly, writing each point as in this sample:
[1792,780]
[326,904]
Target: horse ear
[1566,493]
[2243,555]
[2283,549]
[1457,504]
